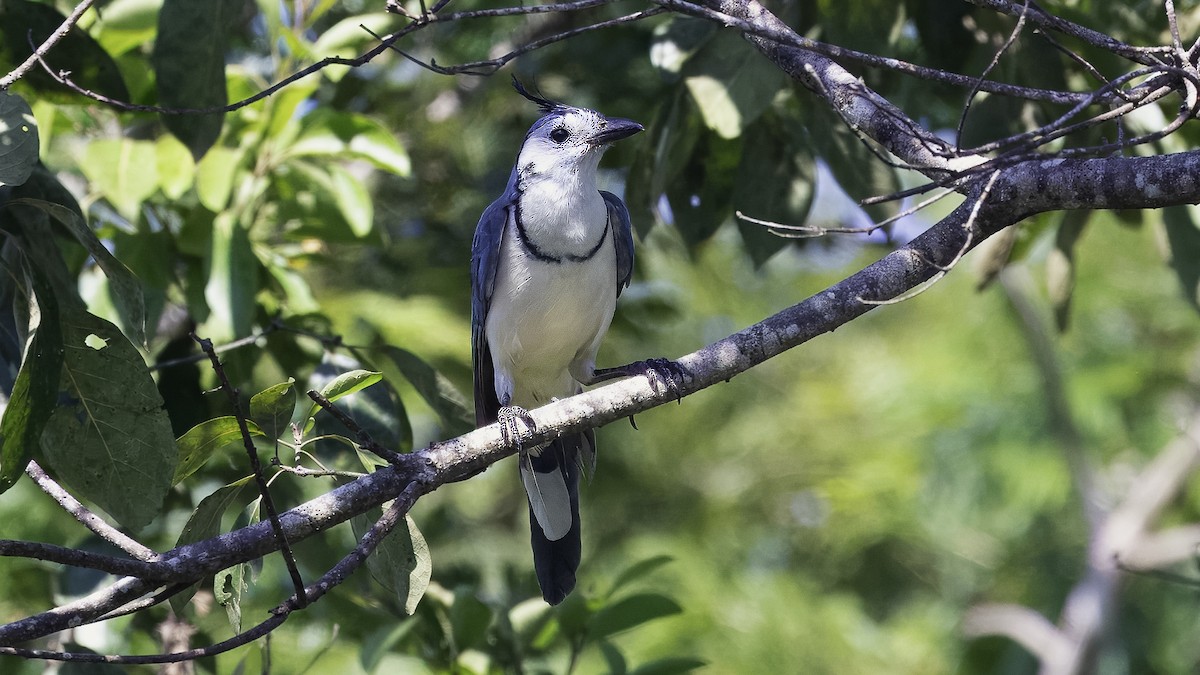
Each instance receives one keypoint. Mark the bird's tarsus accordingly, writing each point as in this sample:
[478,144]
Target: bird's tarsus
[516,425]
[664,374]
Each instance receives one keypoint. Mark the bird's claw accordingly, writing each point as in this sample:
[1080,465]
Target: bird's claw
[665,374]
[516,425]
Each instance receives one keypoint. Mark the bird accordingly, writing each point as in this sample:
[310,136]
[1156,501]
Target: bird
[549,259]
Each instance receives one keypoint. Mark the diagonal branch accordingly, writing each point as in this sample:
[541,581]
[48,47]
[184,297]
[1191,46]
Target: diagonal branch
[1016,193]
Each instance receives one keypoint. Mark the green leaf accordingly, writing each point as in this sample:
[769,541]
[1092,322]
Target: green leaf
[637,571]
[90,66]
[205,523]
[775,182]
[669,666]
[401,563]
[436,389]
[206,439]
[343,385]
[1060,265]
[215,176]
[175,166]
[377,645]
[126,289]
[189,66]
[228,587]
[232,271]
[127,24]
[614,658]
[630,612]
[853,164]
[347,38]
[18,140]
[677,40]
[123,171]
[731,83]
[1183,238]
[35,391]
[353,200]
[339,134]
[469,619]
[272,408]
[109,438]
[701,196]
[670,140]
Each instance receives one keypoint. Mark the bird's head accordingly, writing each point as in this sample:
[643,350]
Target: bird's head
[567,138]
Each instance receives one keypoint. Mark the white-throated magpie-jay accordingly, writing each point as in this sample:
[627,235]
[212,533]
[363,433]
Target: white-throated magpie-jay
[549,259]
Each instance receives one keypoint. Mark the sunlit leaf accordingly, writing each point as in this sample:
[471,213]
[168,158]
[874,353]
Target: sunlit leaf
[215,176]
[123,170]
[175,166]
[331,133]
[731,83]
[206,439]
[344,385]
[353,200]
[348,37]
[272,408]
[676,40]
[127,24]
[232,271]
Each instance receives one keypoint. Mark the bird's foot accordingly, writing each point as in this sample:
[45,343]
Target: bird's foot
[516,425]
[664,375]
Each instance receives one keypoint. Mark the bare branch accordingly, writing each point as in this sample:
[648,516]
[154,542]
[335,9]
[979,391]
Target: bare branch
[260,479]
[1023,626]
[86,517]
[77,558]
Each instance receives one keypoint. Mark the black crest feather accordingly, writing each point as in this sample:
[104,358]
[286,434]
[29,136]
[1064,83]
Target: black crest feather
[545,104]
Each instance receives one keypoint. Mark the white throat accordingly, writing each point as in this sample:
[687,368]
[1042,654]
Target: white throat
[561,209]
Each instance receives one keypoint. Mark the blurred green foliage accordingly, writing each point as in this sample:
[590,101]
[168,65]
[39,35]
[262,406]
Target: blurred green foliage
[837,509]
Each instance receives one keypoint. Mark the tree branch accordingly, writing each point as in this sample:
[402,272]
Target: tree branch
[54,38]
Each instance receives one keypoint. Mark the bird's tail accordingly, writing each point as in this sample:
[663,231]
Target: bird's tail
[552,484]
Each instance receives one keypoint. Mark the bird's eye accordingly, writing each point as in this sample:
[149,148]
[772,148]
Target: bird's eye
[559,135]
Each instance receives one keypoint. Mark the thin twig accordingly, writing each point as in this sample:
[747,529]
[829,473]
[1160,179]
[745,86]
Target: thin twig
[263,489]
[489,66]
[86,517]
[942,270]
[1012,37]
[872,60]
[364,438]
[61,32]
[304,597]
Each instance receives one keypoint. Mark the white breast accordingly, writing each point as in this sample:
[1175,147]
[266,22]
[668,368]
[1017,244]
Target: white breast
[546,320]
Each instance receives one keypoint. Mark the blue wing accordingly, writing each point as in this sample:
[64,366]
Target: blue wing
[485,258]
[618,219]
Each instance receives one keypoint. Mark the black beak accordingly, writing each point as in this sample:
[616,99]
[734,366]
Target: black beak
[615,128]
